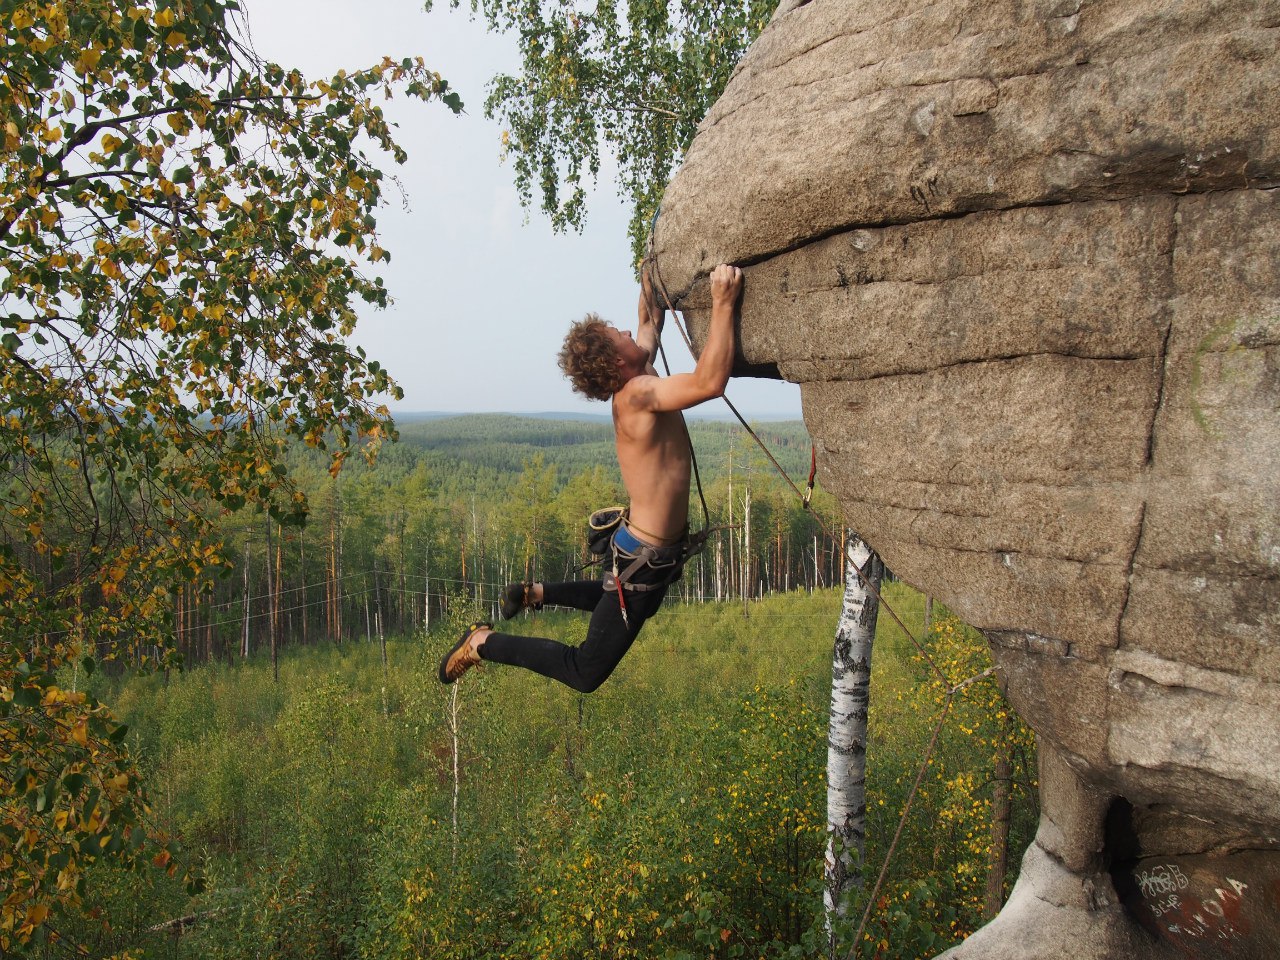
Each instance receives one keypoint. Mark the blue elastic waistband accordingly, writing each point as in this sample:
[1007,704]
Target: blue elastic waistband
[624,539]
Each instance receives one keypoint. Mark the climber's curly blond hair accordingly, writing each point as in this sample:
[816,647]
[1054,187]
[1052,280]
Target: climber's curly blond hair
[588,358]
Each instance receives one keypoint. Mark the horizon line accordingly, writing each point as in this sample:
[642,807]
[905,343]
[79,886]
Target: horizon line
[589,415]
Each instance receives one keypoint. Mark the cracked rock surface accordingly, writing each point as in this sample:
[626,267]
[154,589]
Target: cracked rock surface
[1022,259]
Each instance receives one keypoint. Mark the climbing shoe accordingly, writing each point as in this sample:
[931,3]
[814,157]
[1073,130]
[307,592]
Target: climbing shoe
[462,656]
[515,598]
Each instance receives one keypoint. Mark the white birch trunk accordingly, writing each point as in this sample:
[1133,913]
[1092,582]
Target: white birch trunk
[719,567]
[847,735]
[744,557]
[453,735]
[244,629]
[733,534]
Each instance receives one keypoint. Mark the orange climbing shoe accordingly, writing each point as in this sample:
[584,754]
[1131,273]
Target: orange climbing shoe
[463,655]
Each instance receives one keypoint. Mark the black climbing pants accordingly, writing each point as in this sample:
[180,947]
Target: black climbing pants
[609,637]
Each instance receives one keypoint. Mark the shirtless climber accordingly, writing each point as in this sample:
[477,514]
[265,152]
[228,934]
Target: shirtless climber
[649,547]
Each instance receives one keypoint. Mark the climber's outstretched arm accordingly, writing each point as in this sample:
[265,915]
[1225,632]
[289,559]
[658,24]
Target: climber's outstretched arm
[709,377]
[650,319]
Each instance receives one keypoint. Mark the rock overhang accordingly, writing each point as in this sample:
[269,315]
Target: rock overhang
[1021,259]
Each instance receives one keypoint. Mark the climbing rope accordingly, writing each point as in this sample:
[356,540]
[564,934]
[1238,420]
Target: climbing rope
[805,496]
[952,688]
[906,807]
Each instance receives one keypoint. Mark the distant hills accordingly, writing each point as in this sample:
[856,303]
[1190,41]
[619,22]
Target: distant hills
[574,442]
[418,416]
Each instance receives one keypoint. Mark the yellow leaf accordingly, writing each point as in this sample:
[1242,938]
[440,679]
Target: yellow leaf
[80,734]
[165,18]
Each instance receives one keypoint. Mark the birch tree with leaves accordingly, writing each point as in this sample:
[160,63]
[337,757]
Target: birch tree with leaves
[184,235]
[627,79]
[847,731]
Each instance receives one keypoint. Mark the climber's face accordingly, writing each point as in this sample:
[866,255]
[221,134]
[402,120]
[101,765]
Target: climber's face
[631,356]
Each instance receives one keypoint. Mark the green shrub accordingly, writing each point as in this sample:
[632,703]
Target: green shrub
[677,812]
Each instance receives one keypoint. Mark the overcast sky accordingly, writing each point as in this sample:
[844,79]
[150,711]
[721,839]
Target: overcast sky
[483,290]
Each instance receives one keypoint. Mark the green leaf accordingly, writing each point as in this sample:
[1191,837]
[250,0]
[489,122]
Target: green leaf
[72,782]
[27,697]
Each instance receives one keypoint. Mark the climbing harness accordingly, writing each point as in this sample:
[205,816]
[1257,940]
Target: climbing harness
[609,535]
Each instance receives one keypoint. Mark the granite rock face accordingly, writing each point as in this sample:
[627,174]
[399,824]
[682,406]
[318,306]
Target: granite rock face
[1022,259]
